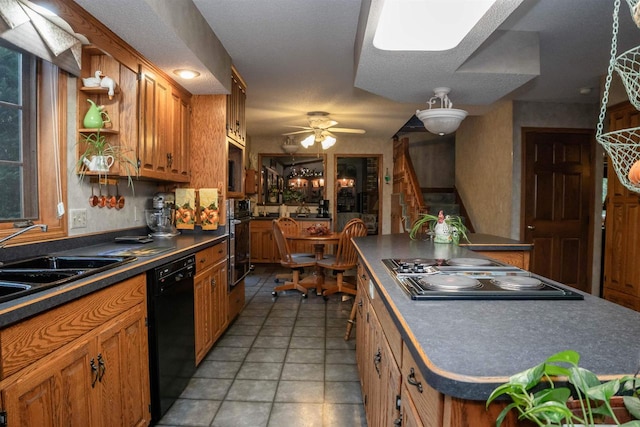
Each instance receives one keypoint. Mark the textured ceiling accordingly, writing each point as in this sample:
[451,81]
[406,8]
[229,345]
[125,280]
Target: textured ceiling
[307,55]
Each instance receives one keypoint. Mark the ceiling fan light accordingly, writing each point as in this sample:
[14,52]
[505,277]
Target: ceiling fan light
[328,142]
[308,141]
[443,120]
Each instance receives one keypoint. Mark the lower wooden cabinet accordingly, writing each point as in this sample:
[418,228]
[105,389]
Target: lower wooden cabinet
[263,245]
[518,259]
[393,388]
[378,369]
[211,301]
[94,376]
[236,300]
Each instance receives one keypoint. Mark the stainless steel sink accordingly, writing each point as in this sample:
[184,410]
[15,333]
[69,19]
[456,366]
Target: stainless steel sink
[83,262]
[32,275]
[8,289]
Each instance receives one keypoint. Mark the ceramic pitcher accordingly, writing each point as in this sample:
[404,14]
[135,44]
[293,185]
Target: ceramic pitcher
[99,163]
[96,117]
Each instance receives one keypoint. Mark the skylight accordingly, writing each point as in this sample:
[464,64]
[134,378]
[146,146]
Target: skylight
[427,25]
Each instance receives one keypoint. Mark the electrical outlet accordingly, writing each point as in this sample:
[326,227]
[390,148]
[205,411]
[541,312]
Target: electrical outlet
[78,218]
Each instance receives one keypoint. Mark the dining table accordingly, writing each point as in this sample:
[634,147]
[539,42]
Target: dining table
[319,241]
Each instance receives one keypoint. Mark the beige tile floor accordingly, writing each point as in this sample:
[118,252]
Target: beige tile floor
[283,362]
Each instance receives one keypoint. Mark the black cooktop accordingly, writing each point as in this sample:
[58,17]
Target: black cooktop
[471,278]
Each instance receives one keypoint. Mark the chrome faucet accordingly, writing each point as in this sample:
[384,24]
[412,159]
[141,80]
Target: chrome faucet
[43,227]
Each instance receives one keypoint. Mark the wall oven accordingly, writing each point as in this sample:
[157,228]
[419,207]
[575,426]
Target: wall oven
[238,217]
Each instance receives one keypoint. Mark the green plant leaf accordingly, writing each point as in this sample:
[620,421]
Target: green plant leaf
[632,403]
[506,388]
[585,380]
[529,377]
[567,356]
[603,391]
[549,411]
[560,394]
[631,424]
[504,413]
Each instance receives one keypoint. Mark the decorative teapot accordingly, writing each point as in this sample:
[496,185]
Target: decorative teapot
[96,117]
[98,163]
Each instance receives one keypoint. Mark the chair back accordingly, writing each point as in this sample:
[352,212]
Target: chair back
[289,226]
[346,255]
[281,242]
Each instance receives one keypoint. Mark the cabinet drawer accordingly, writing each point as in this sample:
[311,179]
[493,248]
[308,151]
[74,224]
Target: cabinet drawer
[207,257]
[32,339]
[428,401]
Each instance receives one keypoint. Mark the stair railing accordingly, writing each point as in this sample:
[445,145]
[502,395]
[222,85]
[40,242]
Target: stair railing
[405,182]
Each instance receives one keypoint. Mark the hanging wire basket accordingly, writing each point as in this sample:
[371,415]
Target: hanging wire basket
[628,67]
[622,146]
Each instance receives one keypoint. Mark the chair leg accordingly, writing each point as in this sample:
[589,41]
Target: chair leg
[290,285]
[340,286]
[351,321]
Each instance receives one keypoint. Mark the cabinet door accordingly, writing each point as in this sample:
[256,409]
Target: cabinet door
[123,370]
[203,313]
[58,392]
[178,149]
[263,246]
[220,301]
[154,124]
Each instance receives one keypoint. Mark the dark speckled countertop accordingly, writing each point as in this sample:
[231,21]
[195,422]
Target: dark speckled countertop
[176,247]
[467,348]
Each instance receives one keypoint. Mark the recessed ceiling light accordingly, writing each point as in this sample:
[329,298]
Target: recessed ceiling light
[186,74]
[427,25]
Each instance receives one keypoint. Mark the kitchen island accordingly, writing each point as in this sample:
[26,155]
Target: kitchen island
[460,350]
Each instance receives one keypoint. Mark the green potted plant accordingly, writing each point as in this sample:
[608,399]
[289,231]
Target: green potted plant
[446,229]
[553,406]
[99,155]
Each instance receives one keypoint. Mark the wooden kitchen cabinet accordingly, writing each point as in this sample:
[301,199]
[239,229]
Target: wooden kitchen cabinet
[121,129]
[164,129]
[393,387]
[210,298]
[263,245]
[621,268]
[235,118]
[83,363]
[377,365]
[251,182]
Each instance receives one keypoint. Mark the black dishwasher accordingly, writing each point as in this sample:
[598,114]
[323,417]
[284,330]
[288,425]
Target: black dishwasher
[172,360]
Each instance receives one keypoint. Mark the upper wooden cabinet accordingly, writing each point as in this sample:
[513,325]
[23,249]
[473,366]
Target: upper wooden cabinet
[121,129]
[235,121]
[149,117]
[163,147]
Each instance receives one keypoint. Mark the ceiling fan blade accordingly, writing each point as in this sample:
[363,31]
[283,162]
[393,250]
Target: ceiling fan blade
[299,127]
[298,132]
[347,130]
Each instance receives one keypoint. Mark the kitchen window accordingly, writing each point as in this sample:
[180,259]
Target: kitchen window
[32,110]
[18,171]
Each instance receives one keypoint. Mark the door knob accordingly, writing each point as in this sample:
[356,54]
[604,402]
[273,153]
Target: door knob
[531,227]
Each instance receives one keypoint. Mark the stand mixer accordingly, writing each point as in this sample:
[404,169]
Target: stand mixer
[161,218]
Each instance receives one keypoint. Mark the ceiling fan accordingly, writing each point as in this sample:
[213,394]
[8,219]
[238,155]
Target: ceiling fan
[322,125]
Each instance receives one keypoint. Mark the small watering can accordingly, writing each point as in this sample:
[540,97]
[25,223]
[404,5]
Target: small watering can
[96,117]
[98,163]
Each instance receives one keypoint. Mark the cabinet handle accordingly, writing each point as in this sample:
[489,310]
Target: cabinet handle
[203,260]
[94,372]
[411,379]
[213,283]
[376,361]
[397,421]
[102,368]
[169,159]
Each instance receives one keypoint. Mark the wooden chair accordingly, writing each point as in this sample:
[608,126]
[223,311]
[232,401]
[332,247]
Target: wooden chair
[345,258]
[290,227]
[295,261]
